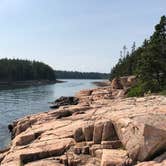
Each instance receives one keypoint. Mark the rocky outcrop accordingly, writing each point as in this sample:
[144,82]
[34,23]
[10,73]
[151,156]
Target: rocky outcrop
[62,101]
[104,128]
[123,82]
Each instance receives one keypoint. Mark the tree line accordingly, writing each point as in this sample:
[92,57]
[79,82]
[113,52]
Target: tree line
[24,70]
[80,75]
[147,62]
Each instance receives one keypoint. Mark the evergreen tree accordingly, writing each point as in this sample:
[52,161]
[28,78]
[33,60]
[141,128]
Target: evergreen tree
[24,70]
[148,62]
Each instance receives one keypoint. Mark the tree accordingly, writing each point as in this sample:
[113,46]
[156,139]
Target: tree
[133,47]
[148,62]
[24,70]
[152,69]
[124,50]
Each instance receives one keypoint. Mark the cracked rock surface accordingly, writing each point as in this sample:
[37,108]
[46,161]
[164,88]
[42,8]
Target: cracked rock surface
[104,128]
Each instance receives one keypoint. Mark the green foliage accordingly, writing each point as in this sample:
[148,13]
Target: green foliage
[137,91]
[24,70]
[163,92]
[80,75]
[148,62]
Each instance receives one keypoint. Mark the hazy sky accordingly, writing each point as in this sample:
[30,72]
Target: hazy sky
[84,35]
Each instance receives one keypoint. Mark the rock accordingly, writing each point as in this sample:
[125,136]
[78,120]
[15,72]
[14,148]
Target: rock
[152,163]
[44,162]
[2,155]
[109,132]
[97,134]
[85,150]
[98,153]
[115,158]
[158,161]
[77,150]
[62,101]
[116,84]
[143,136]
[79,135]
[88,132]
[90,143]
[123,82]
[94,148]
[64,113]
[25,139]
[111,144]
[160,158]
[136,125]
[84,93]
[38,151]
[73,162]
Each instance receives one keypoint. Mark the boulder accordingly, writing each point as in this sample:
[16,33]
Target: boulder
[109,132]
[116,84]
[79,135]
[62,101]
[111,157]
[143,135]
[123,82]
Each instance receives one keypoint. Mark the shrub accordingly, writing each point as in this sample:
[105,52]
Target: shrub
[136,91]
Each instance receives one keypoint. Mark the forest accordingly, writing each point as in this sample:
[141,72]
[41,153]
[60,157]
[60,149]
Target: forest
[147,62]
[12,70]
[80,75]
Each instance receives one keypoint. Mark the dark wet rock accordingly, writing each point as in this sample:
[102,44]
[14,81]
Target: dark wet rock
[62,101]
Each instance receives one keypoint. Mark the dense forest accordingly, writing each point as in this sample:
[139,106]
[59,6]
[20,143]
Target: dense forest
[23,70]
[147,62]
[80,75]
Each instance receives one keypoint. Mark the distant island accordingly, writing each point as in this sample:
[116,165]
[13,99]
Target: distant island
[18,72]
[25,72]
[80,75]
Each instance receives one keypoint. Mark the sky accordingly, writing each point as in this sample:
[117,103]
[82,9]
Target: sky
[82,35]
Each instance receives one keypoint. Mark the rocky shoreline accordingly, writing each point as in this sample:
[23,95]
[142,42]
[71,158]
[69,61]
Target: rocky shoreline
[104,128]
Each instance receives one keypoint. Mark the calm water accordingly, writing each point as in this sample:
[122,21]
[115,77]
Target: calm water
[16,103]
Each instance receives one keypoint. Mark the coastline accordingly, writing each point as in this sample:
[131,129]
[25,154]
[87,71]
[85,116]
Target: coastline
[93,132]
[16,84]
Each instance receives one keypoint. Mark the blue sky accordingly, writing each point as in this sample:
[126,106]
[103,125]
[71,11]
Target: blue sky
[83,35]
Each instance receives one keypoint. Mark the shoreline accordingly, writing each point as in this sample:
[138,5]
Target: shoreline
[93,132]
[17,84]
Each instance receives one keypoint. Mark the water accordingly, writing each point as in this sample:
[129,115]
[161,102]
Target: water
[16,103]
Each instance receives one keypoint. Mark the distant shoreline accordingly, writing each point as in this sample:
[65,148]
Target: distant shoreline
[16,84]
